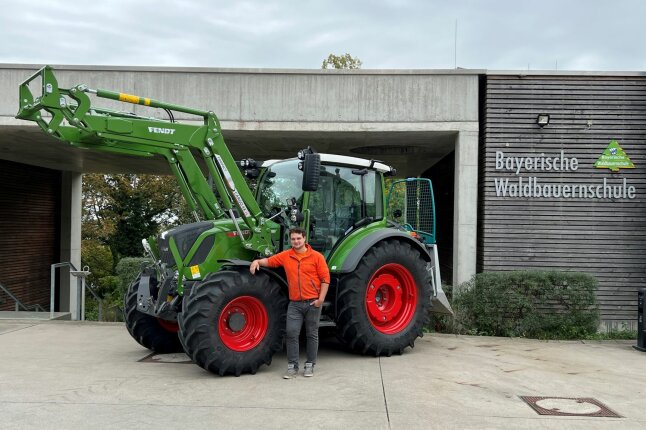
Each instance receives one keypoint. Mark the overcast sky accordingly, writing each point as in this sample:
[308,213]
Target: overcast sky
[402,34]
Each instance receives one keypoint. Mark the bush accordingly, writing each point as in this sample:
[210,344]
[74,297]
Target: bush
[440,322]
[112,288]
[543,305]
[99,259]
[127,270]
[107,285]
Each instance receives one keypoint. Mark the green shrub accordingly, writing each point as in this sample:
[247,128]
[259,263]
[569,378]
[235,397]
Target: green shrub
[106,285]
[99,259]
[128,269]
[543,305]
[439,322]
[112,288]
[112,309]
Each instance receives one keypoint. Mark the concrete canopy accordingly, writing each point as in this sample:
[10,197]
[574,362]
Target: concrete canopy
[406,118]
[409,152]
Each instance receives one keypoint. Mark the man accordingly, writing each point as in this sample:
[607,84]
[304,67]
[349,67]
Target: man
[308,279]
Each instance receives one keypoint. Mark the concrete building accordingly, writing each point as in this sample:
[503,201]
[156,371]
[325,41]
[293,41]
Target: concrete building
[450,126]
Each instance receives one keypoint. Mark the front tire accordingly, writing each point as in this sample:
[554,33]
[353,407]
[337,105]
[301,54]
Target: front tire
[153,333]
[384,304]
[233,322]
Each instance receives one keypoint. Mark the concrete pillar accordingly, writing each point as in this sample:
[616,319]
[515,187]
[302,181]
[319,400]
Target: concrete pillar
[70,240]
[465,206]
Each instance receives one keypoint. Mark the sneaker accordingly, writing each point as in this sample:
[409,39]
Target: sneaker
[309,369]
[292,371]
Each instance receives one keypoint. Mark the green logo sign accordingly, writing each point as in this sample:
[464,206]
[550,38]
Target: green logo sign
[614,158]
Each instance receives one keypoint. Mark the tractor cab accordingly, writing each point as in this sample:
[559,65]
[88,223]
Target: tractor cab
[349,195]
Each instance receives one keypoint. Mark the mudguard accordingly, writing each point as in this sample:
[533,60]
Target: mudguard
[234,262]
[351,261]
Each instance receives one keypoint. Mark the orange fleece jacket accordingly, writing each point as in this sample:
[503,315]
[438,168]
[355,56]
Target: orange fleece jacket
[305,272]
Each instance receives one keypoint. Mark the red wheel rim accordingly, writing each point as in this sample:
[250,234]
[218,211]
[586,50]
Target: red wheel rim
[169,326]
[391,298]
[243,323]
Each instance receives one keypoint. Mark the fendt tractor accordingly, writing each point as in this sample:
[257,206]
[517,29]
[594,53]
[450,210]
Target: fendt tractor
[198,295]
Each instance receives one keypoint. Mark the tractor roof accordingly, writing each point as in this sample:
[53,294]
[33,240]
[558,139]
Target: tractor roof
[343,159]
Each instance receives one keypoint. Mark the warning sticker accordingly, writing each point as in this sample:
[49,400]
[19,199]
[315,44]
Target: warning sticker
[128,98]
[195,271]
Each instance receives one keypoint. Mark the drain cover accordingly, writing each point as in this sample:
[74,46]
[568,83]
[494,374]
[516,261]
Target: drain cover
[166,358]
[569,406]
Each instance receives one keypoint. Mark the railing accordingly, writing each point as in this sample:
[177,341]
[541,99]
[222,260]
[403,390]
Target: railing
[80,309]
[98,299]
[19,304]
[80,290]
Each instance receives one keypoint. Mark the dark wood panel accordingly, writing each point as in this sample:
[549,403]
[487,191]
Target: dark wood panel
[29,229]
[603,237]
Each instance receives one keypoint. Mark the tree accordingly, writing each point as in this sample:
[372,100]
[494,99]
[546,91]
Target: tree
[120,210]
[345,61]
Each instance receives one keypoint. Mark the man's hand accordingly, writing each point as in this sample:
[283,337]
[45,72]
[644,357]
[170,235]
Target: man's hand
[319,302]
[255,265]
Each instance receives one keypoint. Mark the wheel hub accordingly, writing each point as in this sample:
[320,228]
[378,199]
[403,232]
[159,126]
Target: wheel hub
[243,323]
[384,298]
[391,298]
[236,320]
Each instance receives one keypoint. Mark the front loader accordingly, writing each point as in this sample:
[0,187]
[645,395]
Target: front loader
[198,295]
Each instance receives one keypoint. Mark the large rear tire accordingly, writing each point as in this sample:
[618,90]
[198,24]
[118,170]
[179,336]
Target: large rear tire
[384,304]
[233,322]
[150,332]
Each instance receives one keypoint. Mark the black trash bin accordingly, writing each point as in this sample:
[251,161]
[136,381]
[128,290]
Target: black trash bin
[641,324]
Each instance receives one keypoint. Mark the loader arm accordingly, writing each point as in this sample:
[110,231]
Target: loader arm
[75,121]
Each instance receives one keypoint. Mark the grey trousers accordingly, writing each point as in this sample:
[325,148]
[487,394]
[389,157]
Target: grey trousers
[297,313]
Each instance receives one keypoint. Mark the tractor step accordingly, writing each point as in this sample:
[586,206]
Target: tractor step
[326,321]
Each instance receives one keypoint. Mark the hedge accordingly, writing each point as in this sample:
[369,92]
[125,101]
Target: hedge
[535,304]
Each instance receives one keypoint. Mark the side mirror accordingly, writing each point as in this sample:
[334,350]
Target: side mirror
[311,172]
[311,167]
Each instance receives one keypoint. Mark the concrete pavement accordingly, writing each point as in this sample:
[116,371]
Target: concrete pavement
[64,374]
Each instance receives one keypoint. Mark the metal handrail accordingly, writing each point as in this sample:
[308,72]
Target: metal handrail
[52,285]
[98,299]
[80,291]
[19,304]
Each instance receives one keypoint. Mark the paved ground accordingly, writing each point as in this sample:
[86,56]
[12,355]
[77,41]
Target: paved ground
[64,374]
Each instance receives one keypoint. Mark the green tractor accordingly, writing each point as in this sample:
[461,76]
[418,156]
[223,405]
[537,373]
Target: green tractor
[198,295]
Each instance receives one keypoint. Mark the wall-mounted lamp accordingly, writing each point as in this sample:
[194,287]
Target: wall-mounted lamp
[543,119]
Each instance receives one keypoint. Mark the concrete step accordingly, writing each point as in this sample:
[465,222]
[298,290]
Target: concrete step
[28,315]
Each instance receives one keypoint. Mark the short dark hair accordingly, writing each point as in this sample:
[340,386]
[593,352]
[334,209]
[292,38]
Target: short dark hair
[298,230]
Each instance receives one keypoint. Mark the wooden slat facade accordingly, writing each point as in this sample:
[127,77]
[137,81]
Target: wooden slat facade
[30,206]
[605,237]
